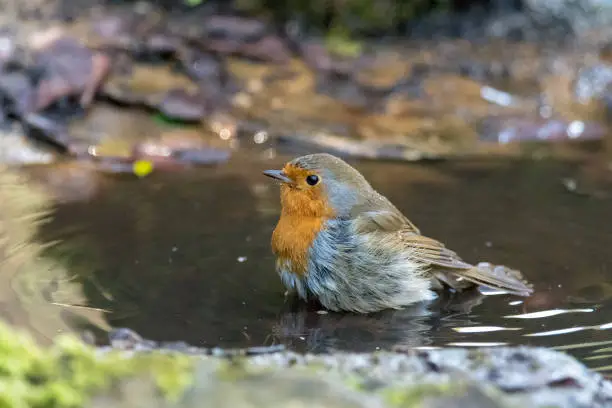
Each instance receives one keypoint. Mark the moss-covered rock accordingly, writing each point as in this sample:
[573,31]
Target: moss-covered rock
[73,374]
[70,372]
[455,394]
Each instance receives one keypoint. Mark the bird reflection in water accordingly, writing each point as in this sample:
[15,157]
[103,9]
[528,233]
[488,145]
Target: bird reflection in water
[307,327]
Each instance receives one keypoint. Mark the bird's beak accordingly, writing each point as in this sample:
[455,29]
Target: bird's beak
[278,174]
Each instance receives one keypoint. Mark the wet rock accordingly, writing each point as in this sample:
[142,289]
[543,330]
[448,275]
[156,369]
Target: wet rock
[223,47]
[268,48]
[111,26]
[209,72]
[317,56]
[8,46]
[244,387]
[203,67]
[99,70]
[359,82]
[484,377]
[143,37]
[48,129]
[18,93]
[179,346]
[126,339]
[179,104]
[162,44]
[113,30]
[238,29]
[69,69]
[344,90]
[16,149]
[137,83]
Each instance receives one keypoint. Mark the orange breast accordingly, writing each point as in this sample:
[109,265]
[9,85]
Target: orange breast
[303,214]
[292,239]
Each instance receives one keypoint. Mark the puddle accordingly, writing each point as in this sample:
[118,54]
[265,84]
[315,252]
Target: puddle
[185,256]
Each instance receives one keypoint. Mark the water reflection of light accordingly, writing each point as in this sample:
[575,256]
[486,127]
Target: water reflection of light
[483,329]
[547,313]
[583,345]
[496,96]
[571,330]
[260,137]
[492,292]
[575,129]
[556,332]
[225,133]
[477,344]
[598,357]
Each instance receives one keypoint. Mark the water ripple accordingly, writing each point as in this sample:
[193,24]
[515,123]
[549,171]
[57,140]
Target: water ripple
[547,313]
[483,329]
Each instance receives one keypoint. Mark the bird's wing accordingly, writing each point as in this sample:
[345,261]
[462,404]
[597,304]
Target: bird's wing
[426,250]
[433,252]
[452,267]
[442,260]
[383,220]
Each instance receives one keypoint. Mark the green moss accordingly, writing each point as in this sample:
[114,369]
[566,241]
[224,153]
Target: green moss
[339,42]
[445,393]
[414,396]
[233,369]
[354,382]
[70,372]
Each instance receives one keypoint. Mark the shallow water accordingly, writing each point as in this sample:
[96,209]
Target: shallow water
[185,256]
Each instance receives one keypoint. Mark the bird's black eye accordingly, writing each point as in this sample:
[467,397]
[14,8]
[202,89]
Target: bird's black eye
[312,179]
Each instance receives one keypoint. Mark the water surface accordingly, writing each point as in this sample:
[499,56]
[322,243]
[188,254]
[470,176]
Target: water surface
[185,256]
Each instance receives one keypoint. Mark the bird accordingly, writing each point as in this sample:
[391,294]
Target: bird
[340,242]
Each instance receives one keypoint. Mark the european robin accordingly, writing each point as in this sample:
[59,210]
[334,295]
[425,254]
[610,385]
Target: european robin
[342,243]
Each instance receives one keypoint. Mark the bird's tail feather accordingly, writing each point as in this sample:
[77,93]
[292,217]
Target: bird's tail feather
[497,277]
